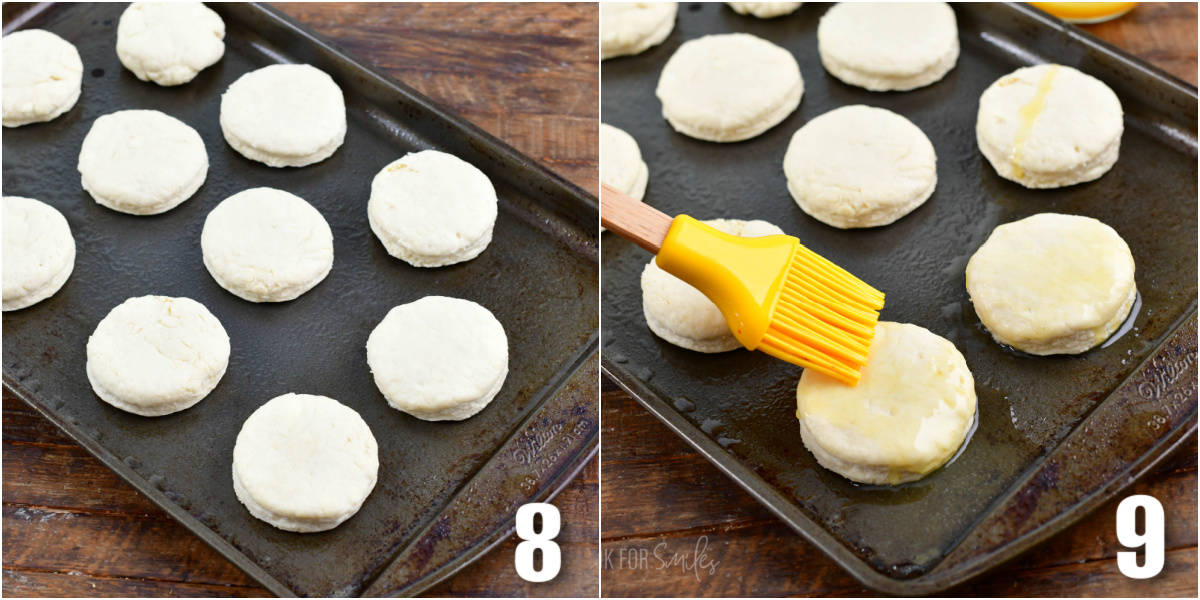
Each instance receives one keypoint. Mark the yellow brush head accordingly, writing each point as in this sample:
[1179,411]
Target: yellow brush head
[778,296]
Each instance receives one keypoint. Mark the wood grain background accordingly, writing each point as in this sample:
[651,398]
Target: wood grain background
[657,490]
[527,73]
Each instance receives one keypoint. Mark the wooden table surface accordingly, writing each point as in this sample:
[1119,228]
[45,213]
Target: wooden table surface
[525,73]
[657,490]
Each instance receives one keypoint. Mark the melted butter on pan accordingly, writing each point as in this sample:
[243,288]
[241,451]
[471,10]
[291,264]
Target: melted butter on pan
[1028,115]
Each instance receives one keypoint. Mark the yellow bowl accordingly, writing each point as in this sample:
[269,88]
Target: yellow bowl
[1086,12]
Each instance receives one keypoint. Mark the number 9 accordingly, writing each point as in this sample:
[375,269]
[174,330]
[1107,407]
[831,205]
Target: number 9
[1151,539]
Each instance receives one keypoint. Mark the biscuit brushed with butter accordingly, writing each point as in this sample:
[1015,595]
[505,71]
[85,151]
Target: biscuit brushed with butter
[908,416]
[1052,283]
[1049,126]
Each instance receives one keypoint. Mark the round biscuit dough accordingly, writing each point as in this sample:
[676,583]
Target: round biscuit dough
[169,42]
[860,166]
[266,245]
[621,164]
[764,10]
[39,251]
[142,162]
[729,87]
[628,28]
[284,115]
[1052,284]
[910,413]
[439,358]
[43,77]
[155,355]
[679,313]
[304,463]
[1049,126]
[888,46]
[432,209]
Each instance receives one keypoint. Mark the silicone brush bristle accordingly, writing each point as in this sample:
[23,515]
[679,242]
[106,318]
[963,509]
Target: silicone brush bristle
[824,318]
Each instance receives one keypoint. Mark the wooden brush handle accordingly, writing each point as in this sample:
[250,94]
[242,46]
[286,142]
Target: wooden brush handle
[635,221]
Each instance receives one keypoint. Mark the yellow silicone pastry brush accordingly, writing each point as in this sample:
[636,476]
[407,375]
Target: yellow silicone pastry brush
[777,296]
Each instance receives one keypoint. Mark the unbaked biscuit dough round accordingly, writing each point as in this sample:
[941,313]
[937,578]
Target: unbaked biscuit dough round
[764,10]
[155,355]
[169,42]
[432,209]
[888,46]
[266,245]
[43,76]
[1052,284]
[908,415]
[679,313]
[439,358]
[621,164]
[860,166]
[729,87]
[142,162]
[632,27]
[304,463]
[284,115]
[1049,126]
[39,251]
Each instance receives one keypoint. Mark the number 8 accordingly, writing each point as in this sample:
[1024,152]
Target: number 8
[540,540]
[1151,539]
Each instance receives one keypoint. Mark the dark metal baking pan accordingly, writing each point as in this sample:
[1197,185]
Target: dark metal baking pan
[446,491]
[1056,435]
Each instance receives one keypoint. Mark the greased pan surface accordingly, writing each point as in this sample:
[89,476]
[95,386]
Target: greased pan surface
[1056,434]
[446,491]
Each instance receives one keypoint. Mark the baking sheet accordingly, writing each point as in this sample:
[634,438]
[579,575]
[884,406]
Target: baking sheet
[446,491]
[998,496]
